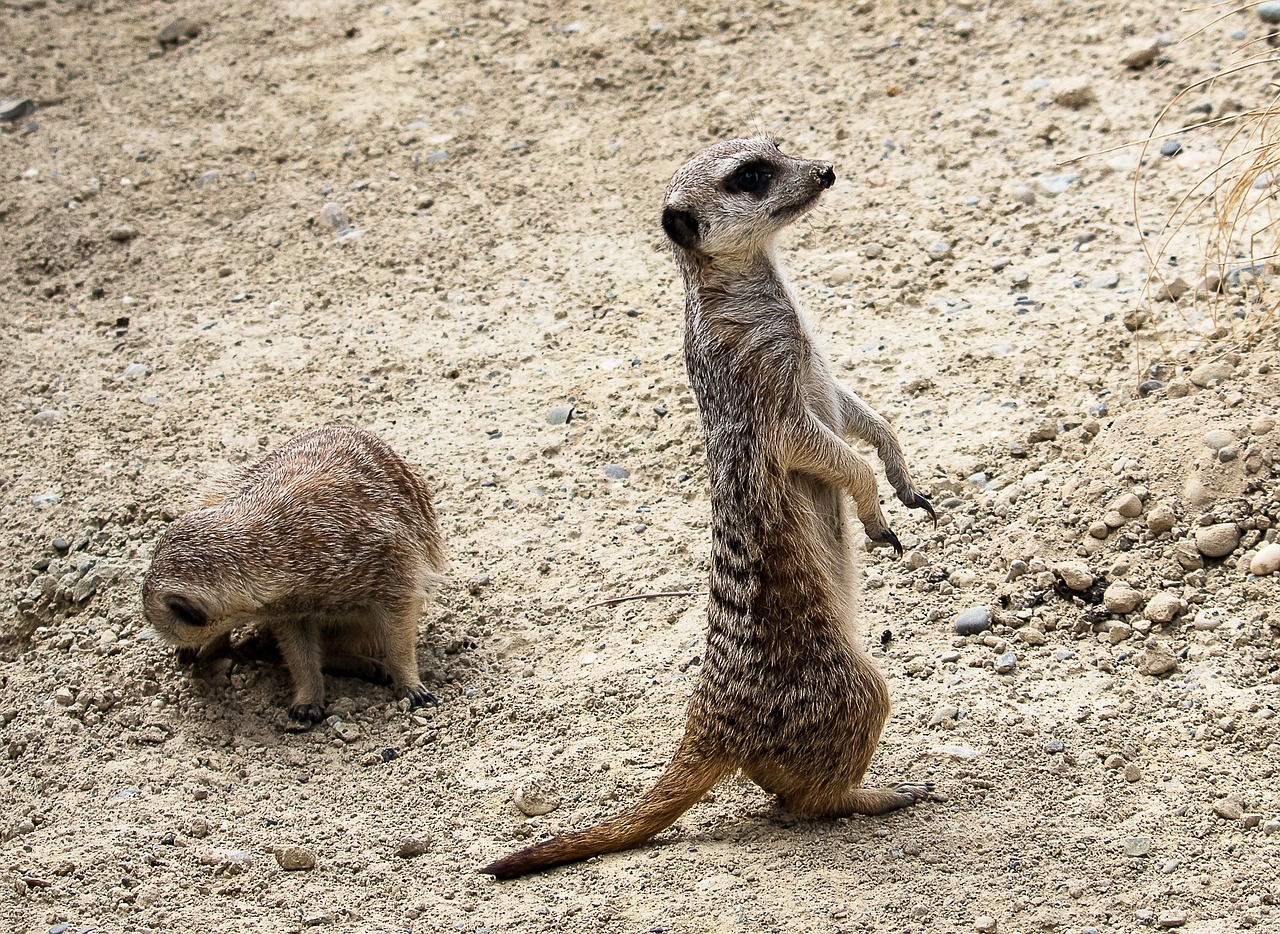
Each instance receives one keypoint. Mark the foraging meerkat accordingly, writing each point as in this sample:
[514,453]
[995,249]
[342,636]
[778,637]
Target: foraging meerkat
[786,695]
[330,543]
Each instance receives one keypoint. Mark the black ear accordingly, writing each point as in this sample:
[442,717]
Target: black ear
[681,227]
[186,611]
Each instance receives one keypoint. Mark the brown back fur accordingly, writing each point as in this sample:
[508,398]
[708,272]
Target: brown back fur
[330,542]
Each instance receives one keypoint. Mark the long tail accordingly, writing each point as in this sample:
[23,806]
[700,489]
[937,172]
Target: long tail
[691,774]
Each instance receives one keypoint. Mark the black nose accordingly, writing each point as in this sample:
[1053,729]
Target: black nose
[828,177]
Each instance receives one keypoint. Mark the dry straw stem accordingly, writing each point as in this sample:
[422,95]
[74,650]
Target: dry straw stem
[1229,215]
[645,596]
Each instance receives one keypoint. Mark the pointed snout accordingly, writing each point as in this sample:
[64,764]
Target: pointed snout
[826,175]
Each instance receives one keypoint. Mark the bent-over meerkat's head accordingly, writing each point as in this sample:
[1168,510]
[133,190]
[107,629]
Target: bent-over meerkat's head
[735,196]
[195,589]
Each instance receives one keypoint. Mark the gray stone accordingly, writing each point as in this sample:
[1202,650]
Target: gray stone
[1171,919]
[1217,541]
[1108,280]
[1054,746]
[1266,561]
[1132,773]
[1170,147]
[294,858]
[560,415]
[333,215]
[1269,12]
[616,472]
[973,621]
[1006,662]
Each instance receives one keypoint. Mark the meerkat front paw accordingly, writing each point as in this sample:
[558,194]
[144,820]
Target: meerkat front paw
[913,499]
[419,696]
[306,713]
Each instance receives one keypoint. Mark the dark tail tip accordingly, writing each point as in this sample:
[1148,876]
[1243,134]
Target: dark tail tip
[509,867]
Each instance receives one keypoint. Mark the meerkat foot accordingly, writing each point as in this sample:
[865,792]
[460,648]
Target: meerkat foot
[419,696]
[886,537]
[875,801]
[306,713]
[358,666]
[914,500]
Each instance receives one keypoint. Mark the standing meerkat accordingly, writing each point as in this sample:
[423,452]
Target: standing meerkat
[786,695]
[330,543]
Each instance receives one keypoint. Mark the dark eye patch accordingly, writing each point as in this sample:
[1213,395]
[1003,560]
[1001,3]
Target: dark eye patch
[186,612]
[750,179]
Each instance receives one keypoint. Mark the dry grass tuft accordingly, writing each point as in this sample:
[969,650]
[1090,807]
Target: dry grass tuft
[1229,219]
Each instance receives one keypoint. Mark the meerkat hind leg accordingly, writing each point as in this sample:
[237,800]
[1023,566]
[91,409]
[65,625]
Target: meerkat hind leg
[357,666]
[402,653]
[873,801]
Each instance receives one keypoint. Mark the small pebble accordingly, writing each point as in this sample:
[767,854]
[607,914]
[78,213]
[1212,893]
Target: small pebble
[1266,561]
[1075,575]
[1162,608]
[294,858]
[1217,541]
[1054,746]
[535,798]
[1171,919]
[560,415]
[1269,12]
[1132,773]
[1120,598]
[1228,809]
[1207,374]
[985,924]
[1170,147]
[1006,663]
[13,109]
[1139,53]
[616,472]
[1155,661]
[1136,846]
[1074,93]
[179,31]
[410,847]
[973,621]
[1161,519]
[1219,438]
[61,546]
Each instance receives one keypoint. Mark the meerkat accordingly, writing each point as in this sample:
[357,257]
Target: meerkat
[330,543]
[786,695]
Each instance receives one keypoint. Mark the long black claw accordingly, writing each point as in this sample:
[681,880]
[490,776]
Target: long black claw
[421,697]
[888,536]
[922,502]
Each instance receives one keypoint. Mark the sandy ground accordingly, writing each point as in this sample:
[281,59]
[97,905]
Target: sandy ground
[179,299]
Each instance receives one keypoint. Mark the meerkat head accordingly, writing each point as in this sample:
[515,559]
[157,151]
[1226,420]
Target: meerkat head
[193,591]
[735,196]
